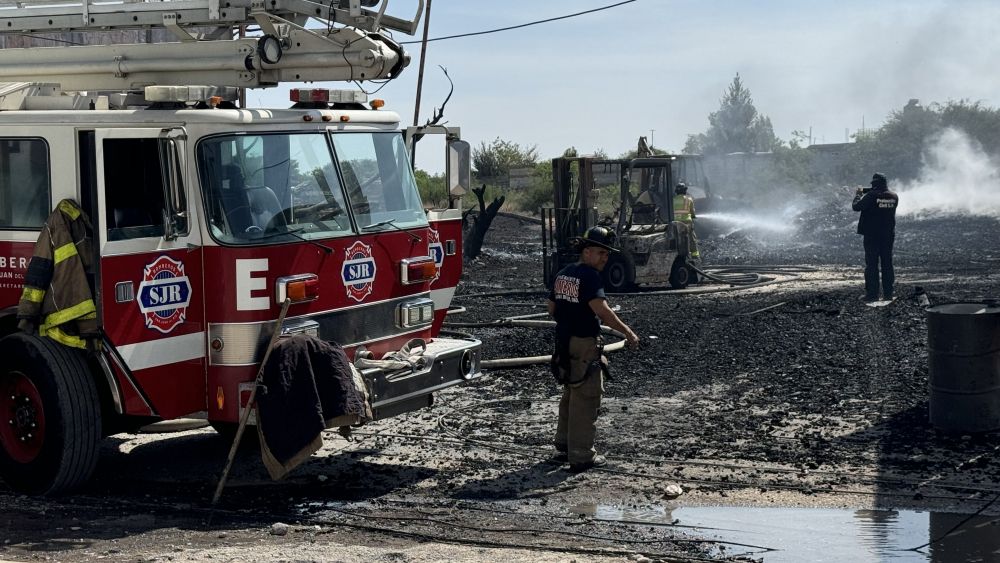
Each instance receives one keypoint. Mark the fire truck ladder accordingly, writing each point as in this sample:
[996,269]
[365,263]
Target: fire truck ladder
[354,44]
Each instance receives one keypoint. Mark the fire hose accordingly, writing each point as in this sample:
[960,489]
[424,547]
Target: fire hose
[527,321]
[738,277]
[748,275]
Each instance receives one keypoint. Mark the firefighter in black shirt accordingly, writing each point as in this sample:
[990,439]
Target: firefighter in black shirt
[878,225]
[578,304]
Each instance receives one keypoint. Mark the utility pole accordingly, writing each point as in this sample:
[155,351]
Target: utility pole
[420,80]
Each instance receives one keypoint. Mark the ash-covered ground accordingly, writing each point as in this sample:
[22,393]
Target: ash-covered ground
[792,394]
[795,393]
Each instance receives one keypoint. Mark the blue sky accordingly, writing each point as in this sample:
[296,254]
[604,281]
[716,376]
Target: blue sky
[600,80]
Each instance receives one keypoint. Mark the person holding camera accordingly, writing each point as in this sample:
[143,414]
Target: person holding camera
[878,225]
[579,306]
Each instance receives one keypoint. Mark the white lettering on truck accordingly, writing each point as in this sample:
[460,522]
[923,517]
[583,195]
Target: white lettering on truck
[247,283]
[14,262]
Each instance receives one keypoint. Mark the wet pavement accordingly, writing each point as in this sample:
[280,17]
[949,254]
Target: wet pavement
[793,535]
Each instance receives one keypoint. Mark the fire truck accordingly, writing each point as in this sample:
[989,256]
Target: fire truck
[207,216]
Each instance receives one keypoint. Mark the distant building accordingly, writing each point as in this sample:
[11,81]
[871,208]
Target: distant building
[829,159]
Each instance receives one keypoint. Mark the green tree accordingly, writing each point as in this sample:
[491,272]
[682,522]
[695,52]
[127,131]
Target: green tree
[494,160]
[432,190]
[978,121]
[898,146]
[735,127]
[895,148]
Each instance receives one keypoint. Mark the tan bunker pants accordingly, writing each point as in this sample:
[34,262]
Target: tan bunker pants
[580,402]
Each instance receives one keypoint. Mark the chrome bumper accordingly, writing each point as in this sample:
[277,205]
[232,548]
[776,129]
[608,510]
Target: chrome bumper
[447,362]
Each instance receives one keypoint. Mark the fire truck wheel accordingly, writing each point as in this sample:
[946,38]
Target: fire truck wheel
[50,416]
[619,273]
[680,275]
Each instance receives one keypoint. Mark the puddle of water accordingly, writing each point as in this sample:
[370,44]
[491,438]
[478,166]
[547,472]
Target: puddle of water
[795,535]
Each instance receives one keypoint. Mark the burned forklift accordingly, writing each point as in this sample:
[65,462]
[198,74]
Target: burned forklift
[638,194]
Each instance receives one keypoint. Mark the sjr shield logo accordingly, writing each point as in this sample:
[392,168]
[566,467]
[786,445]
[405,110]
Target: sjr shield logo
[358,271]
[164,294]
[436,250]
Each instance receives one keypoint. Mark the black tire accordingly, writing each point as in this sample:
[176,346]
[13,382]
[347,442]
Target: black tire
[48,385]
[619,273]
[680,276]
[693,276]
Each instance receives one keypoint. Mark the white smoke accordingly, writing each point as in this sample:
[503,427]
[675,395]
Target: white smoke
[957,178]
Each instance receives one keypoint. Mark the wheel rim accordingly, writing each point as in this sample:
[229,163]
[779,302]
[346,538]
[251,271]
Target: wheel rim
[616,275]
[681,275]
[22,426]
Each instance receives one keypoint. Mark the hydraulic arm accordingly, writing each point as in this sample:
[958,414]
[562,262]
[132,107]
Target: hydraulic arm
[350,45]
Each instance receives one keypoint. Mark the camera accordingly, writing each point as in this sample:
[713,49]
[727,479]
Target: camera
[864,190]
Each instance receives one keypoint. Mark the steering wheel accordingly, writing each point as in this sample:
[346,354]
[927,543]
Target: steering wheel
[323,211]
[253,229]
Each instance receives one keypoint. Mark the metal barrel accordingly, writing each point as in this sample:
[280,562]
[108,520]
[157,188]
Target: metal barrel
[964,354]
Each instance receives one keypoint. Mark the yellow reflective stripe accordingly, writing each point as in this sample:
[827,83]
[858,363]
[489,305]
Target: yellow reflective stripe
[65,251]
[55,333]
[69,209]
[65,315]
[89,316]
[33,295]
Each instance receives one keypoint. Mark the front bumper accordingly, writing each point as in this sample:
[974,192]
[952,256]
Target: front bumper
[448,362]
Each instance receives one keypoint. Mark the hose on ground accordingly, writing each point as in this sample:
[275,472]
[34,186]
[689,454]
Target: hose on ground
[739,280]
[503,363]
[734,278]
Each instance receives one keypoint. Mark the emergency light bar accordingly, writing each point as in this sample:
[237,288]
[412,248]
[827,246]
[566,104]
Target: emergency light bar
[327,95]
[191,93]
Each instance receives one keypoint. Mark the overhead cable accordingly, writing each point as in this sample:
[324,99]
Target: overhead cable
[508,28]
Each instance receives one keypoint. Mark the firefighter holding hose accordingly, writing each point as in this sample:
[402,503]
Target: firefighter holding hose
[579,306]
[684,213]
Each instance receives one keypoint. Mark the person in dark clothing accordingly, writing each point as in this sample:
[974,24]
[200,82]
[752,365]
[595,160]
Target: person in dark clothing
[579,306]
[878,225]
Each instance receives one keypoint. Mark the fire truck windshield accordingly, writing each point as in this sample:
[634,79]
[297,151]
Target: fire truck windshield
[278,187]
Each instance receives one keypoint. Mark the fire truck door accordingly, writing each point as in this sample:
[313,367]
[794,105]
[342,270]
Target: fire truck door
[150,288]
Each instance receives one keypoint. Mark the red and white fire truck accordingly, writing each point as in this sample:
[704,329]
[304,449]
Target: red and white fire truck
[206,216]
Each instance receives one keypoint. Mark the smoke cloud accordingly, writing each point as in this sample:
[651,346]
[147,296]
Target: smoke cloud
[957,178]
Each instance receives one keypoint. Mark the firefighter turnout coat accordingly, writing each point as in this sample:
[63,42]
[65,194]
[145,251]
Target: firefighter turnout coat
[57,296]
[683,208]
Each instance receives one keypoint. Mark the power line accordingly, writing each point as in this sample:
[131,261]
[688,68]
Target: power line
[567,16]
[471,34]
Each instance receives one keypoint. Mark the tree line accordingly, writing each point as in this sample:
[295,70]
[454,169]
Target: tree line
[896,148]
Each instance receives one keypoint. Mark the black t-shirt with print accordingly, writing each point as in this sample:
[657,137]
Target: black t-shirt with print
[575,286]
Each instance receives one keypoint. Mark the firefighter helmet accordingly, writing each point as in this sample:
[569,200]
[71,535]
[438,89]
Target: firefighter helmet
[681,188]
[599,236]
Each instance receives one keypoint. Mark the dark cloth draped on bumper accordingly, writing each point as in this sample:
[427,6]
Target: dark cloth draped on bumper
[308,385]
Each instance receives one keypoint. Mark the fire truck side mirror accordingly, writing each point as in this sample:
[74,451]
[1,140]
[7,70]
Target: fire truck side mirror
[459,168]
